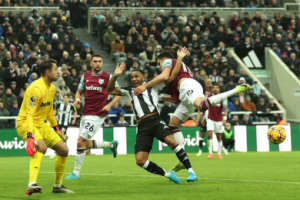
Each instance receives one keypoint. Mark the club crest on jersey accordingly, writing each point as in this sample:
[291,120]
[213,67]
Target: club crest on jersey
[101,81]
[32,99]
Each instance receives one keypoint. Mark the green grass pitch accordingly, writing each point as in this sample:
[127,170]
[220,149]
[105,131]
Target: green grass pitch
[273,175]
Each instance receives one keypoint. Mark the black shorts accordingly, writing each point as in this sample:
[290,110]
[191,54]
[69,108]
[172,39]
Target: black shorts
[153,126]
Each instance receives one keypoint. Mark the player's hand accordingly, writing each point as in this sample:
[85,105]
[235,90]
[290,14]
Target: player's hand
[106,108]
[76,102]
[119,69]
[60,133]
[181,53]
[30,144]
[139,90]
[73,122]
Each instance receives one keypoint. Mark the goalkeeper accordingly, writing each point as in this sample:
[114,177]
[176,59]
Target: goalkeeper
[36,106]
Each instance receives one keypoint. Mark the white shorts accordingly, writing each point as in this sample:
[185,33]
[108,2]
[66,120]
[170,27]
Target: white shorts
[89,125]
[216,126]
[189,91]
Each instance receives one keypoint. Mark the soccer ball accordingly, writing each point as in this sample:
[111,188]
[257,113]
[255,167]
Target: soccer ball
[276,134]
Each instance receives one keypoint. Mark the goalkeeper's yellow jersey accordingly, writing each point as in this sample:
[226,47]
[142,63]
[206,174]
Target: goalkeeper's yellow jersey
[37,105]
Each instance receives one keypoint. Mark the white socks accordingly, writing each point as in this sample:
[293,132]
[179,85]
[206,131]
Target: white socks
[31,183]
[220,145]
[179,138]
[215,99]
[78,162]
[210,145]
[101,144]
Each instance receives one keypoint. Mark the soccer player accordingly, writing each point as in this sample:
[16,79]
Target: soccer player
[93,84]
[215,122]
[202,123]
[186,91]
[36,106]
[150,124]
[64,112]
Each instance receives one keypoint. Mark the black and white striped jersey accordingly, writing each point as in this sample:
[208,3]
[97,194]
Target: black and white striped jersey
[64,113]
[146,102]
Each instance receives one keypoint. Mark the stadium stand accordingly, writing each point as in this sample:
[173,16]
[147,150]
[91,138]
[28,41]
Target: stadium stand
[34,34]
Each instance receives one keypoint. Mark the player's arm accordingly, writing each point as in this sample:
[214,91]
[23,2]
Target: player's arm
[167,99]
[111,87]
[74,116]
[79,92]
[181,53]
[110,104]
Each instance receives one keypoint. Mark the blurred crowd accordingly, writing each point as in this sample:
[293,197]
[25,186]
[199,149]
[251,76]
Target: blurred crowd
[25,40]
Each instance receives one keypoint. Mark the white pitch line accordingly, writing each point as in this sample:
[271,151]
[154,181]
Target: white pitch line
[205,178]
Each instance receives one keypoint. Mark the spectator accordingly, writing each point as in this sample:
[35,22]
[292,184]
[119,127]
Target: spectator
[256,88]
[11,74]
[149,55]
[87,50]
[234,21]
[122,122]
[279,120]
[189,123]
[14,111]
[3,112]
[246,120]
[228,139]
[14,89]
[254,97]
[107,122]
[165,110]
[263,95]
[128,109]
[237,105]
[116,110]
[63,88]
[8,98]
[130,46]
[235,121]
[261,106]
[118,49]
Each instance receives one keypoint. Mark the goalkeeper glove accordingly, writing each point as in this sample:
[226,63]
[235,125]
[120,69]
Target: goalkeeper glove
[60,133]
[30,144]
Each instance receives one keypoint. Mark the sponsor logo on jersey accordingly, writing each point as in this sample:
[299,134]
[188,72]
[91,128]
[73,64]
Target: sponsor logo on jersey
[101,81]
[32,99]
[94,88]
[45,104]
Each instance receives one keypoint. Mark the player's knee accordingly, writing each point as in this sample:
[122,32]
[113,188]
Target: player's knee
[140,161]
[63,152]
[42,149]
[170,141]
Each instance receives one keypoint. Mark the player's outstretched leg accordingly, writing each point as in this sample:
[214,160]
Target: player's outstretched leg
[142,161]
[103,144]
[181,155]
[203,105]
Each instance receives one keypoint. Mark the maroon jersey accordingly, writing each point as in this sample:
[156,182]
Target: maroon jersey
[184,72]
[215,112]
[94,88]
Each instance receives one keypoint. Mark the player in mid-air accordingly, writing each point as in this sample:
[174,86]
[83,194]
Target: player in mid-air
[186,91]
[36,106]
[93,84]
[215,122]
[150,123]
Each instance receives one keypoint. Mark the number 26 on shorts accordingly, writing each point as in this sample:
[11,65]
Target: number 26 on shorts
[89,127]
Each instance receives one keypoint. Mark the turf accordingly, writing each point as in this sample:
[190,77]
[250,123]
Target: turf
[273,175]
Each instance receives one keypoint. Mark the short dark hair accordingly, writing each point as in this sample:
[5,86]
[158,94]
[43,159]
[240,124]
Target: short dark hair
[166,54]
[46,65]
[138,70]
[215,84]
[96,55]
